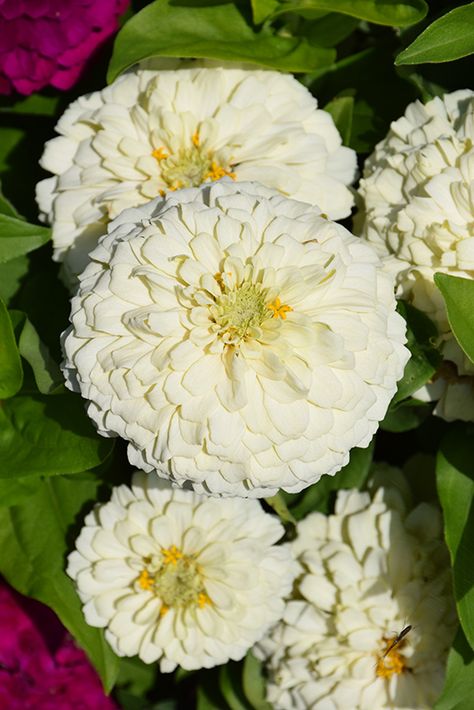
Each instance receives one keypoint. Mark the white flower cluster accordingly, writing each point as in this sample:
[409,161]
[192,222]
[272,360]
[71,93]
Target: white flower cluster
[242,342]
[418,196]
[154,131]
[418,202]
[371,618]
[237,339]
[179,578]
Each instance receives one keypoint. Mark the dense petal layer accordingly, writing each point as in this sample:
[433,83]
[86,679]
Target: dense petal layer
[238,340]
[155,131]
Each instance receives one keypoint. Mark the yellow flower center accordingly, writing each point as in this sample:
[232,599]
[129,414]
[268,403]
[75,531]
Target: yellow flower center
[390,661]
[241,310]
[189,167]
[176,579]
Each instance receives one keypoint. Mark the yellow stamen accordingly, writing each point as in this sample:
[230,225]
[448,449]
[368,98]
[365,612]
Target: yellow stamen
[145,581]
[196,140]
[203,599]
[164,609]
[217,171]
[279,309]
[160,153]
[171,555]
[390,662]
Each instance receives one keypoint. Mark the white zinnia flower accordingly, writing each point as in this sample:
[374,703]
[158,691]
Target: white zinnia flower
[172,576]
[236,339]
[417,210]
[371,618]
[152,131]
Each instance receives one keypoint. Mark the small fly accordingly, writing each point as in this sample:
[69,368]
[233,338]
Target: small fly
[398,639]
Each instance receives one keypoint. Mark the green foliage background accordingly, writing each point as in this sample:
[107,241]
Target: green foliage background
[364,60]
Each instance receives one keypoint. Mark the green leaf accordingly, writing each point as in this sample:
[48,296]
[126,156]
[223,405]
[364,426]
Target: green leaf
[6,207]
[137,677]
[458,689]
[209,698]
[318,496]
[47,374]
[218,30]
[230,685]
[278,503]
[11,371]
[32,558]
[253,683]
[34,105]
[362,74]
[11,275]
[406,415]
[458,296]
[41,435]
[425,358]
[341,109]
[447,38]
[18,237]
[330,29]
[455,481]
[15,490]
[396,13]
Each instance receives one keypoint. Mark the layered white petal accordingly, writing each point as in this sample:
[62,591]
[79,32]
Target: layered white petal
[417,210]
[239,341]
[176,577]
[155,130]
[369,572]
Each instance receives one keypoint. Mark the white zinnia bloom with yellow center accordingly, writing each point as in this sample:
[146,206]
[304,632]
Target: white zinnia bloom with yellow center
[371,617]
[237,339]
[179,578]
[151,132]
[417,210]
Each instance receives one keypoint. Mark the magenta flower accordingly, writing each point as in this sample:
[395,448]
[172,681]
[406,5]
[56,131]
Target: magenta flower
[49,41]
[40,666]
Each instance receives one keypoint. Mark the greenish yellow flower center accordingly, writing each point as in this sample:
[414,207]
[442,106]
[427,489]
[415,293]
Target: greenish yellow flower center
[177,581]
[241,310]
[189,167]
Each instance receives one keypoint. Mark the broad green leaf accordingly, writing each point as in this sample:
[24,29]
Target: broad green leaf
[11,371]
[253,683]
[447,38]
[406,415]
[330,29]
[11,275]
[18,237]
[396,13]
[218,30]
[341,109]
[15,490]
[46,436]
[318,496]
[33,545]
[455,480]
[458,296]
[230,685]
[6,206]
[425,358]
[35,105]
[458,689]
[46,372]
